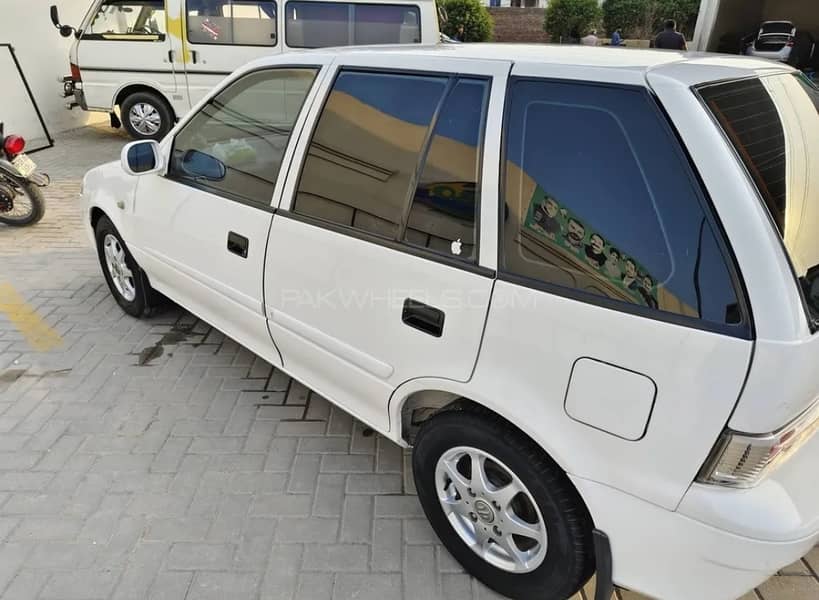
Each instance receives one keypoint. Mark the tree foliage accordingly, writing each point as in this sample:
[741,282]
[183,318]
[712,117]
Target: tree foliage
[571,18]
[643,19]
[472,16]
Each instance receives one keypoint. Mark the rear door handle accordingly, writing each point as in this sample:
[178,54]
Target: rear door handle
[423,317]
[237,244]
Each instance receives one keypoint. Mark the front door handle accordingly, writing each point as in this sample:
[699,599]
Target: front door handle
[237,244]
[423,317]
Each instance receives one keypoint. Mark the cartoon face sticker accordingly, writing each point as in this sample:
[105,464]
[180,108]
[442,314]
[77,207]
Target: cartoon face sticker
[575,234]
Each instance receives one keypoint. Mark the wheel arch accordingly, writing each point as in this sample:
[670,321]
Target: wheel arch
[418,400]
[132,88]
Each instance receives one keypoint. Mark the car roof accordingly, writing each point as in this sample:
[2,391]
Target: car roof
[585,61]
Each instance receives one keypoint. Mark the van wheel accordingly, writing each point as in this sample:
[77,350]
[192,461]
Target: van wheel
[501,507]
[127,282]
[146,116]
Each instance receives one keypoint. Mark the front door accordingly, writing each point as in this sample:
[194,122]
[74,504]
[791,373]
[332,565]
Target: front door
[125,36]
[201,229]
[222,35]
[376,267]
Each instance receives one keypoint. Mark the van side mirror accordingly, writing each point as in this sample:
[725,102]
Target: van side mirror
[142,158]
[65,30]
[203,166]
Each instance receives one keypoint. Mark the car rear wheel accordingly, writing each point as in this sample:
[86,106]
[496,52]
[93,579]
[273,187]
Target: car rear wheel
[127,282]
[502,508]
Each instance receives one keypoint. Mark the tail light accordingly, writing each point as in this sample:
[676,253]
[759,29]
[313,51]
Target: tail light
[75,73]
[742,460]
[14,145]
[791,43]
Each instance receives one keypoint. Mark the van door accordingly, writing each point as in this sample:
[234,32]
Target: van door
[376,271]
[222,35]
[126,42]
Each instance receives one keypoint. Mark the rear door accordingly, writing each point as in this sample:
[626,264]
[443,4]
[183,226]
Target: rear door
[222,35]
[377,270]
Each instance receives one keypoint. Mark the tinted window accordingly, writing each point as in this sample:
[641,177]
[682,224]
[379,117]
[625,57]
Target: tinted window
[772,124]
[600,199]
[246,127]
[238,22]
[446,200]
[128,20]
[322,24]
[366,150]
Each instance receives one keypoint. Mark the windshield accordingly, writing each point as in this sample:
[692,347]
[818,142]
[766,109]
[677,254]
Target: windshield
[773,122]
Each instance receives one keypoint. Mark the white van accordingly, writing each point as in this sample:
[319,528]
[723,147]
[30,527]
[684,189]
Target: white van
[154,59]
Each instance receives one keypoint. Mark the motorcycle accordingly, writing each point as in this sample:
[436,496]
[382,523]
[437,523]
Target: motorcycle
[21,198]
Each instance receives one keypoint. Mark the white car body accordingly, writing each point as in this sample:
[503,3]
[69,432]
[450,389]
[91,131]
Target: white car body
[632,439]
[774,42]
[183,70]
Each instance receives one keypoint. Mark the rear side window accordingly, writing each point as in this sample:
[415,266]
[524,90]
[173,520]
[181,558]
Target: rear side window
[398,156]
[232,22]
[323,24]
[601,203]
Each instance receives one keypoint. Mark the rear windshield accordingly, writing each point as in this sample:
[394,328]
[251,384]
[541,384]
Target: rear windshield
[773,123]
[781,27]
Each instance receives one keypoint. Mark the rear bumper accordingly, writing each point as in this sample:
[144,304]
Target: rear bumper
[669,555]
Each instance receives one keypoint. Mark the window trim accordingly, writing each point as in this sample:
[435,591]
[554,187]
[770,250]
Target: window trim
[471,264]
[348,3]
[743,330]
[231,45]
[268,207]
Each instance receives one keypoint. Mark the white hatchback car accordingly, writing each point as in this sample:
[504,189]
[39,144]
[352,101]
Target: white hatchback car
[581,283]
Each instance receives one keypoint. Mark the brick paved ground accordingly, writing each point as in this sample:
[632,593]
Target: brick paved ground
[161,459]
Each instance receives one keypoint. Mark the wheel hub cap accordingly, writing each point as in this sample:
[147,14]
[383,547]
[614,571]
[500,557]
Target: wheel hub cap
[145,118]
[490,509]
[121,275]
[484,511]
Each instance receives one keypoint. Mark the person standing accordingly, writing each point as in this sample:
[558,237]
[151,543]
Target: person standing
[670,38]
[591,39]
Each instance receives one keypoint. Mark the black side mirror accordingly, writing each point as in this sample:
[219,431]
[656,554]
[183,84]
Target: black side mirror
[55,16]
[203,166]
[66,30]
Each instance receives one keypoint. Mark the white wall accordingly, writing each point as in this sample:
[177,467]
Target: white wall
[43,54]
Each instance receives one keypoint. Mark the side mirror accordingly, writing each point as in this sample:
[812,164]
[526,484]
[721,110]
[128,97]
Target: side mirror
[203,166]
[142,158]
[65,30]
[55,16]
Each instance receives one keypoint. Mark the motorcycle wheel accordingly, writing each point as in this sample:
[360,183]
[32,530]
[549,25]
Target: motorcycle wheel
[21,203]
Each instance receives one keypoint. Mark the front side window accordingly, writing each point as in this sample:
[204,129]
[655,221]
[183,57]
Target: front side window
[130,20]
[398,156]
[232,22]
[600,201]
[324,24]
[772,123]
[234,145]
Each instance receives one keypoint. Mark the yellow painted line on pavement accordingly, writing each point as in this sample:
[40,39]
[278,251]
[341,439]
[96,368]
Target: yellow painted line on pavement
[22,315]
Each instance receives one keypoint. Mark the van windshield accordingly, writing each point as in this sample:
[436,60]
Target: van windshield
[773,122]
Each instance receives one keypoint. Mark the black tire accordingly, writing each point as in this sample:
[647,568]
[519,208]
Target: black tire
[569,559]
[156,103]
[140,305]
[35,195]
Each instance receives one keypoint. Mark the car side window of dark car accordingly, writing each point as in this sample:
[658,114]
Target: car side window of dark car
[603,205]
[397,156]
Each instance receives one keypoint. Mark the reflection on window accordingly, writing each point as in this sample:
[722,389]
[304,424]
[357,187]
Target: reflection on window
[237,22]
[366,150]
[323,24]
[601,200]
[247,128]
[446,199]
[128,20]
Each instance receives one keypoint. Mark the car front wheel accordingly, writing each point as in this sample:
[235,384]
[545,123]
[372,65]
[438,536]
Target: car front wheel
[125,279]
[502,508]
